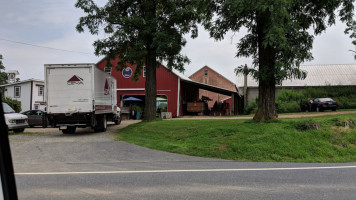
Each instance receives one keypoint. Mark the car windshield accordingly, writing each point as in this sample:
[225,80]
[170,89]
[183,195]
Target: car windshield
[326,99]
[7,108]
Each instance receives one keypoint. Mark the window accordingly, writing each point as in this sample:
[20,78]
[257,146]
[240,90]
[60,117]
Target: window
[205,72]
[36,107]
[107,70]
[17,91]
[40,90]
[144,71]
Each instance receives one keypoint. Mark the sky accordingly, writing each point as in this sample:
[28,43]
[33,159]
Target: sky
[51,23]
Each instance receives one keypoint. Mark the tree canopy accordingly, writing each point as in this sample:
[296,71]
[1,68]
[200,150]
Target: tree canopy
[3,75]
[142,33]
[280,37]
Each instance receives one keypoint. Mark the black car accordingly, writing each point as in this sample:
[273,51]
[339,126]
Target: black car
[36,118]
[321,104]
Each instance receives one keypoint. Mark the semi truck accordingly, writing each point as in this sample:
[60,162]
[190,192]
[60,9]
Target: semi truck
[79,96]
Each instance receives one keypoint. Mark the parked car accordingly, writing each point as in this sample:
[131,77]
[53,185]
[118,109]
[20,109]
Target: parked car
[15,121]
[36,118]
[321,104]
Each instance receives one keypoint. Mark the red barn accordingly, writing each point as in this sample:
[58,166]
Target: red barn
[174,90]
[209,76]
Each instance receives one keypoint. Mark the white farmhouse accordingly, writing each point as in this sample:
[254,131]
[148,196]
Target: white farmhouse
[29,92]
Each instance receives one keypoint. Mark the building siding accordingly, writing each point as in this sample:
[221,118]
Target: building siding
[215,79]
[25,96]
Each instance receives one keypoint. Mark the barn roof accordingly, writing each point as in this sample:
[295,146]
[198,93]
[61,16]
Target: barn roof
[317,75]
[202,85]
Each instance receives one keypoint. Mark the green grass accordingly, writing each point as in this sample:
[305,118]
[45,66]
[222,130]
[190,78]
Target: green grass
[283,140]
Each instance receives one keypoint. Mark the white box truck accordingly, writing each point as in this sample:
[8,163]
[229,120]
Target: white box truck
[80,95]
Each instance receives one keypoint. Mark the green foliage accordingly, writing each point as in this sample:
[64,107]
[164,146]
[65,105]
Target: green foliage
[287,107]
[284,140]
[279,37]
[13,103]
[3,75]
[251,108]
[289,95]
[136,108]
[142,33]
[289,100]
[162,105]
[281,26]
[137,29]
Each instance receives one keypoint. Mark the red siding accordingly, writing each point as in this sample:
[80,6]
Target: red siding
[215,79]
[167,84]
[229,101]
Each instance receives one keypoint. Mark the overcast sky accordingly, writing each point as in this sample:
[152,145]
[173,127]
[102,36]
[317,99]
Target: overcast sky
[51,23]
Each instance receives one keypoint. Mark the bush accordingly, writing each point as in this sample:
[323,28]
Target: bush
[344,95]
[289,95]
[136,108]
[252,108]
[289,101]
[13,103]
[287,107]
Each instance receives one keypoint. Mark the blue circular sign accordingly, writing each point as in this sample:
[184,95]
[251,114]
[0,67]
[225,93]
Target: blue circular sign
[127,72]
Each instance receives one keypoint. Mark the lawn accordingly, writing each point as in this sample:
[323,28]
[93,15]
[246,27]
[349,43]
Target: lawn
[282,140]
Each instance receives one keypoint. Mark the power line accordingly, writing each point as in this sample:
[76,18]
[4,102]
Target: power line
[34,45]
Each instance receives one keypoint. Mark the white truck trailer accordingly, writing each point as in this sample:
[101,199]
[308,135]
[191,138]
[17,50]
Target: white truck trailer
[80,95]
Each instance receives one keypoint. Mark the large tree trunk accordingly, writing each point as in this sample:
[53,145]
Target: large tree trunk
[267,82]
[151,64]
[150,86]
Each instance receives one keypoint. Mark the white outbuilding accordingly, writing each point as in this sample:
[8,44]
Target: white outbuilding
[29,92]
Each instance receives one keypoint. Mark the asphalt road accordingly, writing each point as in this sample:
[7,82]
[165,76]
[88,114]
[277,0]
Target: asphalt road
[87,165]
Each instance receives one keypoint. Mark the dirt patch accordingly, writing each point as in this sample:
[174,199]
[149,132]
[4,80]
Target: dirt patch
[339,129]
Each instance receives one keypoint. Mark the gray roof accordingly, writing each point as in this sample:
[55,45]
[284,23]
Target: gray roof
[20,82]
[318,75]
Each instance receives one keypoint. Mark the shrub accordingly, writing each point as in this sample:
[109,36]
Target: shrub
[136,108]
[13,103]
[287,107]
[252,108]
[290,95]
[289,100]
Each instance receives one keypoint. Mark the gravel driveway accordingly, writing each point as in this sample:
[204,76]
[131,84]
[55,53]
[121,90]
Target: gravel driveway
[48,150]
[57,135]
[44,149]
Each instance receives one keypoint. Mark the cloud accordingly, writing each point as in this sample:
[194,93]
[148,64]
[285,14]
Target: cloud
[29,60]
[52,23]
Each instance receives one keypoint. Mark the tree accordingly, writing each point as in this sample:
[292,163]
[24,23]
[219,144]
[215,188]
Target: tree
[3,75]
[280,37]
[143,33]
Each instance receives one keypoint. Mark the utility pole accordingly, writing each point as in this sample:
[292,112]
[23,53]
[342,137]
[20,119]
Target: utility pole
[245,86]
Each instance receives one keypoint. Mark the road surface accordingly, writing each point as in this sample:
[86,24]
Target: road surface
[88,165]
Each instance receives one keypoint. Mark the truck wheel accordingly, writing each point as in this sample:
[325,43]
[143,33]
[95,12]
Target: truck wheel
[20,130]
[117,121]
[101,125]
[70,129]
